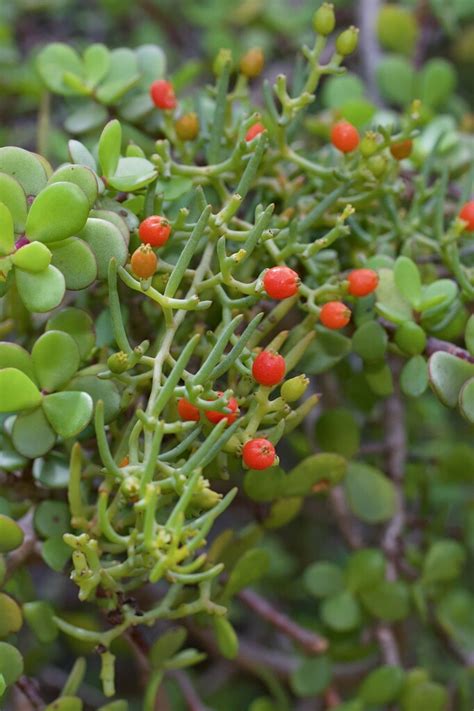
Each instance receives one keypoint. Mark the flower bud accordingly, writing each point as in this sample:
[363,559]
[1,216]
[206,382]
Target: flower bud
[130,489]
[294,388]
[251,64]
[223,57]
[368,144]
[347,41]
[187,127]
[118,362]
[324,19]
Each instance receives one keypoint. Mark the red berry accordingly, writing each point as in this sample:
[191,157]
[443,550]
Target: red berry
[402,149]
[154,230]
[269,368]
[254,131]
[162,94]
[467,214]
[334,315]
[281,282]
[344,136]
[215,417]
[187,411]
[143,262]
[362,282]
[258,453]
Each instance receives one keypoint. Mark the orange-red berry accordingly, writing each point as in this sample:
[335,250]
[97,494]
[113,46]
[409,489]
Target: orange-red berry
[402,149]
[187,127]
[467,214]
[362,282]
[162,94]
[154,230]
[187,411]
[269,368]
[251,64]
[254,131]
[258,453]
[215,416]
[344,136]
[281,282]
[334,315]
[143,262]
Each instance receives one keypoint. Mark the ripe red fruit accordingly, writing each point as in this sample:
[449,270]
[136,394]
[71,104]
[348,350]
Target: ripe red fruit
[154,230]
[162,94]
[258,453]
[467,214]
[215,417]
[269,368]
[362,282]
[143,262]
[344,136]
[187,411]
[281,282]
[334,315]
[254,131]
[402,149]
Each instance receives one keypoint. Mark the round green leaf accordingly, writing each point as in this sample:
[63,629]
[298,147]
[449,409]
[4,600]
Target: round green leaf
[86,118]
[151,63]
[174,187]
[390,304]
[56,553]
[65,703]
[365,569]
[34,257]
[53,62]
[81,176]
[110,144]
[466,400]
[337,431]
[397,29]
[249,568]
[11,535]
[454,613]
[11,619]
[10,460]
[341,612]
[338,90]
[327,349]
[68,413]
[410,338]
[96,60]
[444,561]
[43,291]
[370,494]
[426,695]
[80,155]
[14,356]
[76,261]
[227,640]
[78,324]
[11,663]
[382,686]
[407,280]
[27,168]
[55,359]
[167,645]
[7,236]
[40,617]
[312,676]
[115,219]
[98,389]
[132,174]
[52,472]
[326,467]
[396,79]
[31,434]
[379,378]
[414,376]
[106,242]
[370,341]
[264,485]
[447,375]
[323,578]
[13,196]
[437,82]
[389,601]
[437,296]
[18,391]
[63,201]
[52,518]
[282,511]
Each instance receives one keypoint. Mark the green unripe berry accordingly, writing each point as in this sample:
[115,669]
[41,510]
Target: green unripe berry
[347,41]
[368,144]
[377,165]
[11,535]
[118,362]
[410,338]
[224,56]
[324,19]
[294,388]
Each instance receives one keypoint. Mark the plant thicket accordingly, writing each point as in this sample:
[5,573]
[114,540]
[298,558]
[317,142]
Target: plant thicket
[232,333]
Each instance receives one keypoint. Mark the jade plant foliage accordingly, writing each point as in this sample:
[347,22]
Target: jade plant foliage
[236,396]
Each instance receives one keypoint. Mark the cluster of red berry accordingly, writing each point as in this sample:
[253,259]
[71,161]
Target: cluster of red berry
[154,231]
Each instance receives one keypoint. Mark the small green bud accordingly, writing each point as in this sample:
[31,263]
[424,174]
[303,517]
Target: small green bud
[324,19]
[377,165]
[410,338]
[206,499]
[368,144]
[347,41]
[130,488]
[223,57]
[118,362]
[294,388]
